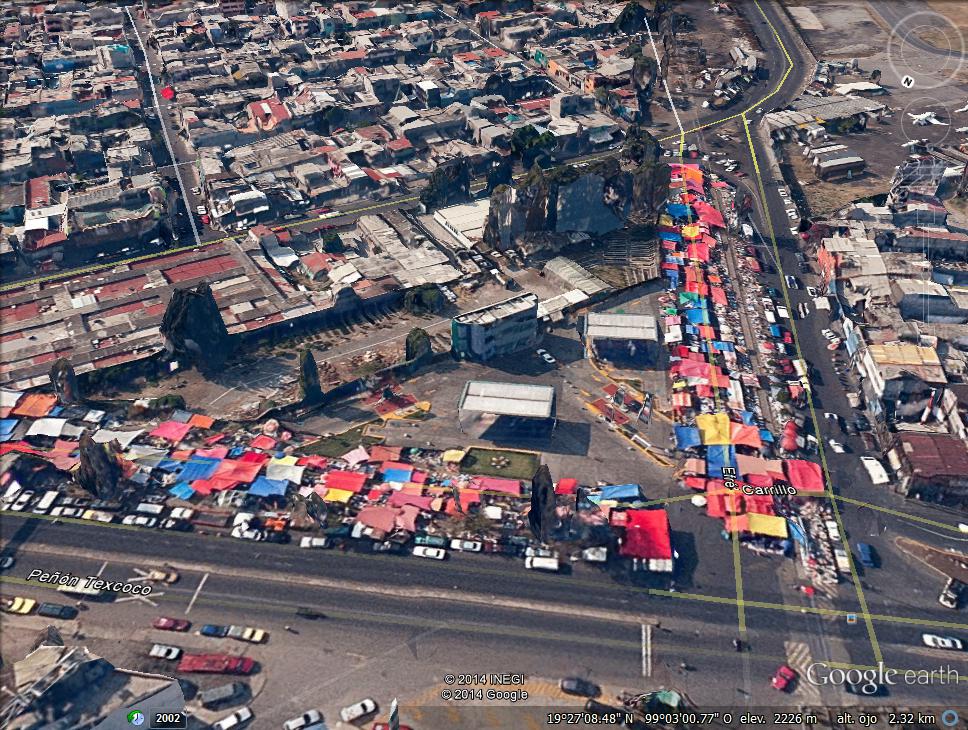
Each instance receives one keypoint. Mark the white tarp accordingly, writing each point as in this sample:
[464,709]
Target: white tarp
[47,427]
[124,438]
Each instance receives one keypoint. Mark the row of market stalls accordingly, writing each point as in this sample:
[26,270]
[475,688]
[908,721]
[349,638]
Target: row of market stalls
[731,454]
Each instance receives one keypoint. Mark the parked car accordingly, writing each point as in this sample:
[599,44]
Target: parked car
[222,695]
[836,446]
[951,593]
[201,210]
[783,678]
[56,610]
[467,546]
[140,521]
[357,711]
[164,623]
[236,719]
[314,542]
[247,633]
[165,651]
[579,687]
[306,719]
[423,551]
[546,356]
[63,511]
[7,561]
[156,575]
[791,282]
[949,643]
[19,605]
[219,632]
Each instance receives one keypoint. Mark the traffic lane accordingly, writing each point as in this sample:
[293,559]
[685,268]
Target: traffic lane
[896,12]
[586,586]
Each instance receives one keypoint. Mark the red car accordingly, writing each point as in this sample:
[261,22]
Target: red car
[783,677]
[787,337]
[171,624]
[206,220]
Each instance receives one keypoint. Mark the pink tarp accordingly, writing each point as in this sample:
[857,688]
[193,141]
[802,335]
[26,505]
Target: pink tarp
[350,480]
[238,470]
[647,535]
[398,499]
[719,296]
[698,251]
[216,452]
[214,484]
[171,431]
[742,435]
[805,476]
[313,461]
[709,214]
[254,457]
[379,518]
[496,484]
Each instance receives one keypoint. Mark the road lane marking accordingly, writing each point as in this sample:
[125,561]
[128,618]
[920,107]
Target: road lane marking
[103,566]
[195,595]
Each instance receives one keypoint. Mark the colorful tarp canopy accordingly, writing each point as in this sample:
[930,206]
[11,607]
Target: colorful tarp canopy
[496,484]
[709,214]
[803,475]
[622,491]
[647,535]
[713,428]
[171,431]
[345,480]
[741,435]
[264,487]
[687,437]
[717,457]
[337,495]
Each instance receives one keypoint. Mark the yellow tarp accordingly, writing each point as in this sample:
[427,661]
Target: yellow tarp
[766,525]
[665,220]
[285,461]
[713,428]
[338,495]
[692,231]
[453,456]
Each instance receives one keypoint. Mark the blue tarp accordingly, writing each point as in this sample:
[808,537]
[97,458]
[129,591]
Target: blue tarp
[181,416]
[697,316]
[673,278]
[687,437]
[397,475]
[747,417]
[676,260]
[717,457]
[166,464]
[766,435]
[198,467]
[775,330]
[263,487]
[670,236]
[236,451]
[622,491]
[182,491]
[677,210]
[7,425]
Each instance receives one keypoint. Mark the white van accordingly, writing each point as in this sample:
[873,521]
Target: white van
[46,502]
[770,317]
[536,563]
[146,508]
[782,312]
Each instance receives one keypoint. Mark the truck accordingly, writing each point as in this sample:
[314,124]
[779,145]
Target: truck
[215,664]
[542,563]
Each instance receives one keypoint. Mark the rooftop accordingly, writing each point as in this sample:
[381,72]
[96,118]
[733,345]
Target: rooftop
[508,399]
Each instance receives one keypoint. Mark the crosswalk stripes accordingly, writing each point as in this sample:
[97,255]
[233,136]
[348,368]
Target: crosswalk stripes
[799,657]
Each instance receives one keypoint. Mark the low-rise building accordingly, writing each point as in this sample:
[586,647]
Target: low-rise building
[497,329]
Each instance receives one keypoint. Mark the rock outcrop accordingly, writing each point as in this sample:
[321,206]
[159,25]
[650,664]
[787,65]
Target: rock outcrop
[194,330]
[99,467]
[595,200]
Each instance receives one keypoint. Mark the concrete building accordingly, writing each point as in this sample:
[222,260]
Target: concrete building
[631,338]
[512,412]
[496,330]
[465,222]
[932,467]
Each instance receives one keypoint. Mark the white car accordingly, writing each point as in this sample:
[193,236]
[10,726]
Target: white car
[828,334]
[792,214]
[314,542]
[182,513]
[783,192]
[942,642]
[140,521]
[22,501]
[803,310]
[792,282]
[794,231]
[467,546]
[242,533]
[165,651]
[201,210]
[357,711]
[304,720]
[876,471]
[424,551]
[813,292]
[236,719]
[61,511]
[546,356]
[837,447]
[196,191]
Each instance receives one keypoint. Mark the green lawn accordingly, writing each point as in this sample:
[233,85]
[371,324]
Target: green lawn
[521,464]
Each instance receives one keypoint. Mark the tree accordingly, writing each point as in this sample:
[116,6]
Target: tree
[632,18]
[309,386]
[194,330]
[418,344]
[542,514]
[64,380]
[423,299]
[499,174]
[449,183]
[99,467]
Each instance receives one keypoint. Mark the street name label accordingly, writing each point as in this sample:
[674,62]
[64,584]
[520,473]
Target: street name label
[729,481]
[91,582]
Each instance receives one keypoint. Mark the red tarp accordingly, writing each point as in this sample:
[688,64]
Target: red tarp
[263,442]
[708,214]
[241,471]
[398,499]
[352,481]
[698,251]
[253,457]
[715,505]
[647,535]
[719,296]
[171,431]
[695,482]
[742,435]
[313,461]
[759,503]
[496,484]
[789,440]
[566,486]
[216,452]
[805,476]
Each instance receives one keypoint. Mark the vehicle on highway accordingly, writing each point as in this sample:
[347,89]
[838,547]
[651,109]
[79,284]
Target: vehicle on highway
[467,546]
[314,542]
[214,630]
[19,605]
[423,551]
[836,446]
[579,687]
[215,664]
[791,282]
[866,555]
[783,678]
[201,210]
[56,610]
[949,643]
[7,561]
[165,623]
[309,613]
[875,470]
[951,593]
[359,710]
[238,718]
[535,562]
[222,695]
[165,651]
[247,633]
[803,310]
[813,292]
[196,191]
[246,533]
[310,717]
[546,356]
[156,575]
[140,521]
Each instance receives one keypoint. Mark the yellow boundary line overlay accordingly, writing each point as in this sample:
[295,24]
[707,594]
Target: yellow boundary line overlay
[828,489]
[773,93]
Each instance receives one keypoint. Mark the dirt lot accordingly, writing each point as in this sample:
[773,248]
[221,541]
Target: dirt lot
[838,29]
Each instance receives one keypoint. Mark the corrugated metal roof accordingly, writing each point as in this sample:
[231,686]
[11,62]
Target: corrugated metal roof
[508,399]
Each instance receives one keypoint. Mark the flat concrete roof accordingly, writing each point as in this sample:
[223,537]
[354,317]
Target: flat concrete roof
[607,326]
[508,399]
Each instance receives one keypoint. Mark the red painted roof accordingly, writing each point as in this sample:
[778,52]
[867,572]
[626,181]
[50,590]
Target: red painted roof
[200,269]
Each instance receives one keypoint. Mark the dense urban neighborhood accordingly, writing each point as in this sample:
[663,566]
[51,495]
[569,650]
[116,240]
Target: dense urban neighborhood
[483,364]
